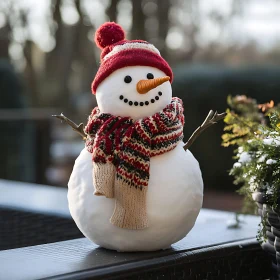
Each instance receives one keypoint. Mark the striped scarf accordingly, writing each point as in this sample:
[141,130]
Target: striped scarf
[121,150]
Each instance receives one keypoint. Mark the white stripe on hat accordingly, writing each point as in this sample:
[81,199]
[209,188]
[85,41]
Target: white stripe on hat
[129,46]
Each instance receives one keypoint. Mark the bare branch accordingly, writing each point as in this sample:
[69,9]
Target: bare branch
[212,118]
[112,10]
[138,21]
[78,128]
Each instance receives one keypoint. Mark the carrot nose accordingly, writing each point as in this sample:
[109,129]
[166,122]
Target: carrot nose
[143,86]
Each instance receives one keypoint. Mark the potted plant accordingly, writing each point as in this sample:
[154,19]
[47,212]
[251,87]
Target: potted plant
[254,129]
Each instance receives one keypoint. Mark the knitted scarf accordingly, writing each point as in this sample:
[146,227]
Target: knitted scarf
[121,150]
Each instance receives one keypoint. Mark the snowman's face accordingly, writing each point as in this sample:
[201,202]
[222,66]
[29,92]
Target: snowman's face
[119,93]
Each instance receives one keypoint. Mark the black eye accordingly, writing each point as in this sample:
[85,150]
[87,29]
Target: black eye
[127,79]
[150,76]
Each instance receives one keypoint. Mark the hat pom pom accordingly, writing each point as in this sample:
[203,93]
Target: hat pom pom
[108,34]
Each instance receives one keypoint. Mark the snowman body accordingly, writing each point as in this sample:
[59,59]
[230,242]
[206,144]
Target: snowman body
[174,199]
[175,188]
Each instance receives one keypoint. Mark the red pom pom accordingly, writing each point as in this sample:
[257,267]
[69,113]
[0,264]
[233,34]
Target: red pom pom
[108,34]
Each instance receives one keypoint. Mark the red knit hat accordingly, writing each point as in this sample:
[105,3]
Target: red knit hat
[118,53]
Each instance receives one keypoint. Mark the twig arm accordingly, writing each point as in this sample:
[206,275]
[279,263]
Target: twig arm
[212,118]
[78,128]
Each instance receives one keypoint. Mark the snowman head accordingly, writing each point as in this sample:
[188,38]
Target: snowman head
[134,91]
[133,80]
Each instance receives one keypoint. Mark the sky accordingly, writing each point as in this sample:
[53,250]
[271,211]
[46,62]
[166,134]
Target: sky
[259,22]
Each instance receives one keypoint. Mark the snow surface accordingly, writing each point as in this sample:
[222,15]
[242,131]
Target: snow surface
[244,157]
[272,141]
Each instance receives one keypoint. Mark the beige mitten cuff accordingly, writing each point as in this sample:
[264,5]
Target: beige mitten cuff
[130,207]
[104,179]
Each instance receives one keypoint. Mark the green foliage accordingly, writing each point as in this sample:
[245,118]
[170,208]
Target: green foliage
[242,120]
[257,136]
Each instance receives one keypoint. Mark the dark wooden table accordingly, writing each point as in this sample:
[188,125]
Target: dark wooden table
[210,251]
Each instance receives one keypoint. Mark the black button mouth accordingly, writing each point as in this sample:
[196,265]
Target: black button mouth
[136,103]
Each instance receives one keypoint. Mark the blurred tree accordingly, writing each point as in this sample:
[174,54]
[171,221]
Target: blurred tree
[111,10]
[67,66]
[4,41]
[53,49]
[138,21]
[163,25]
[73,52]
[16,135]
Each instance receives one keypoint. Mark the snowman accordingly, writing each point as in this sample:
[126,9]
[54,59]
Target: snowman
[133,186]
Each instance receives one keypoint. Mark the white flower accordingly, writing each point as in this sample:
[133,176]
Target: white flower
[240,150]
[277,141]
[269,189]
[253,187]
[244,157]
[252,180]
[262,158]
[237,164]
[252,183]
[271,161]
